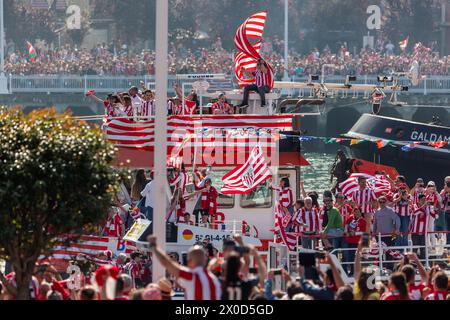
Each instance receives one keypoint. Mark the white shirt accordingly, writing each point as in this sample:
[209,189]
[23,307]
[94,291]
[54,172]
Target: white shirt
[149,194]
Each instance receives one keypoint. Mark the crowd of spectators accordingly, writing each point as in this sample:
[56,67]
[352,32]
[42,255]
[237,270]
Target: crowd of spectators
[118,60]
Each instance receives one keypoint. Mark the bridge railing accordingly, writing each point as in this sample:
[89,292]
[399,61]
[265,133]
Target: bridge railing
[106,84]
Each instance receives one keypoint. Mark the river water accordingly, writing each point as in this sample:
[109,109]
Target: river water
[317,175]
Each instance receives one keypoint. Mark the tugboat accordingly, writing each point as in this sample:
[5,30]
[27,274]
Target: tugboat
[417,158]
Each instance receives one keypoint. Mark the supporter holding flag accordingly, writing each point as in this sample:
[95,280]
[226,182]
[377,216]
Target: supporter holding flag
[198,282]
[261,85]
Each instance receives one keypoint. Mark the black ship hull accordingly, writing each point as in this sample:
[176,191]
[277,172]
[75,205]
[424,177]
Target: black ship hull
[423,161]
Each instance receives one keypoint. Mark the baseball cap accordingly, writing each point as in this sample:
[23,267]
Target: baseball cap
[431,184]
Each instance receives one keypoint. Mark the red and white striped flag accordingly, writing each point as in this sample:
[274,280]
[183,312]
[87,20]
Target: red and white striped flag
[64,251]
[403,44]
[231,136]
[378,183]
[246,177]
[248,55]
[289,239]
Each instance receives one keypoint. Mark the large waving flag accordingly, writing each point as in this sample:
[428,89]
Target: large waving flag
[246,177]
[32,55]
[378,183]
[248,55]
[289,239]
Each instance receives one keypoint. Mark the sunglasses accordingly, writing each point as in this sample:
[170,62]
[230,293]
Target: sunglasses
[382,201]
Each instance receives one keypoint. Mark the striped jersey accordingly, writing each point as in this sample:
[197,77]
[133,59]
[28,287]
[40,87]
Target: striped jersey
[345,210]
[133,269]
[285,196]
[437,295]
[199,284]
[262,79]
[420,217]
[364,199]
[180,181]
[225,108]
[147,108]
[129,110]
[403,207]
[310,218]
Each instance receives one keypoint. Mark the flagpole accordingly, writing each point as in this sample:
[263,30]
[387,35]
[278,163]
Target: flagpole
[2,40]
[160,166]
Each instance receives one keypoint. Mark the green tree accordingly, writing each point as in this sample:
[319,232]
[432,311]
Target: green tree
[55,179]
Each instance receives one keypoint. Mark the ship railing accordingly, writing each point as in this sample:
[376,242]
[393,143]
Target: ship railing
[106,84]
[232,226]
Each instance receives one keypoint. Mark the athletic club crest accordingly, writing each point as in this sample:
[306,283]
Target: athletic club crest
[248,178]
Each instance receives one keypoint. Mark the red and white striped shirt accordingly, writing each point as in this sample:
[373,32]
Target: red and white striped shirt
[285,196]
[114,226]
[147,108]
[310,218]
[129,110]
[180,181]
[402,208]
[199,284]
[345,210]
[134,270]
[364,199]
[225,108]
[437,295]
[434,198]
[261,78]
[419,218]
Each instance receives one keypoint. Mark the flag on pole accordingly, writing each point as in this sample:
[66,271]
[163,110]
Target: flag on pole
[410,146]
[383,143]
[355,141]
[438,144]
[32,55]
[404,43]
[248,55]
[246,177]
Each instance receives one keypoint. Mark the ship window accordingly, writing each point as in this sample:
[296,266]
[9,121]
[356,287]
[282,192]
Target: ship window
[260,197]
[224,201]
